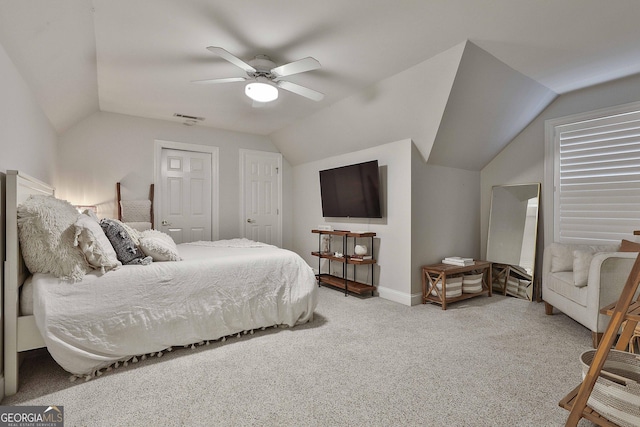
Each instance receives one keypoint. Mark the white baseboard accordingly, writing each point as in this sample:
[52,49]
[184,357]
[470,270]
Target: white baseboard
[399,297]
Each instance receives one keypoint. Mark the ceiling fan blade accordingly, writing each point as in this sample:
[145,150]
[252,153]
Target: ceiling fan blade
[295,67]
[227,80]
[300,90]
[231,58]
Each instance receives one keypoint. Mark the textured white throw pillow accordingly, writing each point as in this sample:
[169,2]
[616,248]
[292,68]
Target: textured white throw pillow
[91,214]
[561,258]
[136,210]
[47,233]
[139,226]
[581,262]
[95,245]
[159,246]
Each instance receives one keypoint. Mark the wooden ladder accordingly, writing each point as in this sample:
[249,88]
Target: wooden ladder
[576,401]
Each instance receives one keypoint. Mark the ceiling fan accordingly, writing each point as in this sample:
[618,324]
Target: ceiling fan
[266,77]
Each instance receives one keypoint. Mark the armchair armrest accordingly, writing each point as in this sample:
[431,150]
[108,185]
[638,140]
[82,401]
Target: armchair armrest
[608,273]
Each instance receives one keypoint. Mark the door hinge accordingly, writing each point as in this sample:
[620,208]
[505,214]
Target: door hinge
[277,170]
[277,211]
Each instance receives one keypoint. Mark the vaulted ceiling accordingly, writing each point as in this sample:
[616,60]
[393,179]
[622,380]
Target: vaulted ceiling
[139,57]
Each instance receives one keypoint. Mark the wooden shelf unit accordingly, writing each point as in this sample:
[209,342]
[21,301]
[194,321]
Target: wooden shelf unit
[342,282]
[623,309]
[432,274]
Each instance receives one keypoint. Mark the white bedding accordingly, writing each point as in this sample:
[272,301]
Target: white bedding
[26,297]
[220,288]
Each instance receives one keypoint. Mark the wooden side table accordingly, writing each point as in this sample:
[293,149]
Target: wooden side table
[432,274]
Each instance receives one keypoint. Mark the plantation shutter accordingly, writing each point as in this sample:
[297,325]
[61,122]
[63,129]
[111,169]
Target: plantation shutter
[597,179]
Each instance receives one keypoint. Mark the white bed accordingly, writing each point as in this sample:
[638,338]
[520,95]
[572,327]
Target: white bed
[219,289]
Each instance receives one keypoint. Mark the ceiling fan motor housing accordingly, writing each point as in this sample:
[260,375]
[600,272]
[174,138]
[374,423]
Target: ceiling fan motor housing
[263,66]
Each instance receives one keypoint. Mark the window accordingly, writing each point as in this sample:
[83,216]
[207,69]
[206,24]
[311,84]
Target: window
[596,175]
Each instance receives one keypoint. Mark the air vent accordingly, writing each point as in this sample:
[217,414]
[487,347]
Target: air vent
[188,120]
[185,116]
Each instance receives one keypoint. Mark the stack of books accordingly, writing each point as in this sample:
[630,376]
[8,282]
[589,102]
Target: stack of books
[456,260]
[359,257]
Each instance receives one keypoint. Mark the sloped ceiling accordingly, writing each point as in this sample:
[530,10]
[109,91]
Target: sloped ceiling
[138,57]
[53,46]
[489,104]
[460,108]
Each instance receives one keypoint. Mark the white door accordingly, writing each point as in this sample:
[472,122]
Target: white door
[185,212]
[261,198]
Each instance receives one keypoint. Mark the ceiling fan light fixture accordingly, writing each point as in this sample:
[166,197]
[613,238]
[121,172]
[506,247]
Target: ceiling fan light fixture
[261,92]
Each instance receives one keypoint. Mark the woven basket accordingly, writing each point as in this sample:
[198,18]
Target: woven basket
[454,287]
[472,283]
[616,393]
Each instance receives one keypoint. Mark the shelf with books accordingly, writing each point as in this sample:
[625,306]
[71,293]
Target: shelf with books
[342,281]
[361,259]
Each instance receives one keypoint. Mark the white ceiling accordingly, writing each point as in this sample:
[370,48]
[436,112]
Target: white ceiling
[138,57]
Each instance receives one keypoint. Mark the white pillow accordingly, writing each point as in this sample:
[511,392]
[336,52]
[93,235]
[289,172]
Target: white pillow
[158,245]
[95,245]
[139,226]
[561,258]
[47,233]
[136,210]
[91,214]
[581,262]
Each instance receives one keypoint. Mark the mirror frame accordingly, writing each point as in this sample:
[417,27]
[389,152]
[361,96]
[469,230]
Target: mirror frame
[506,269]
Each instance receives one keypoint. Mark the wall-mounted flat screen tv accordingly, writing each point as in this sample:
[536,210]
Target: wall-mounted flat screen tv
[351,191]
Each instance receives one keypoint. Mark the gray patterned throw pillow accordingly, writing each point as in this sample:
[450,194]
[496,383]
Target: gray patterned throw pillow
[123,244]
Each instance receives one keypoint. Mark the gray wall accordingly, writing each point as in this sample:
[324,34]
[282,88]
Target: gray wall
[429,212]
[27,143]
[27,139]
[393,231]
[444,215]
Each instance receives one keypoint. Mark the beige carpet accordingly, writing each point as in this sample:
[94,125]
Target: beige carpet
[362,362]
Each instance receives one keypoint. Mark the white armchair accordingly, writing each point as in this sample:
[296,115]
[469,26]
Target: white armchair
[579,280]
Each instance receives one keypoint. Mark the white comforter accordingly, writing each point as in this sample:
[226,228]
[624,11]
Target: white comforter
[220,288]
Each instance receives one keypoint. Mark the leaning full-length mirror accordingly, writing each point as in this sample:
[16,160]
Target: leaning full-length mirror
[511,242]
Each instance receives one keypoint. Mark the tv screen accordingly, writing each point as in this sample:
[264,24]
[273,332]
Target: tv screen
[351,191]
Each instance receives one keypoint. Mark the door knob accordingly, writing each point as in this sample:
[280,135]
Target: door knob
[251,221]
[166,223]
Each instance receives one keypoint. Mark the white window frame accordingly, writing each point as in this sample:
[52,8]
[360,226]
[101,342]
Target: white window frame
[552,164]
